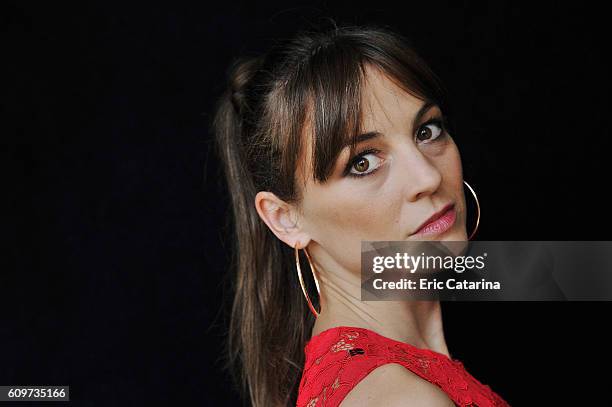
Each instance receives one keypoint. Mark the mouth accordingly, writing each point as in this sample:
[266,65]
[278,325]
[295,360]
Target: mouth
[439,222]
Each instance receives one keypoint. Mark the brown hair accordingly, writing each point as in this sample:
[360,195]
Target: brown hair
[312,80]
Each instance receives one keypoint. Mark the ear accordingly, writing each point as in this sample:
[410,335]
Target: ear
[282,218]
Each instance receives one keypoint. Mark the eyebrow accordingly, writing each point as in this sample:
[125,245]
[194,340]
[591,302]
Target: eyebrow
[360,138]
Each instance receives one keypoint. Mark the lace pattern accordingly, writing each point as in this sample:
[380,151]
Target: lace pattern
[338,358]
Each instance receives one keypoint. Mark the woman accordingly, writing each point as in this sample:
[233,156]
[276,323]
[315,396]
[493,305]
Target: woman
[328,139]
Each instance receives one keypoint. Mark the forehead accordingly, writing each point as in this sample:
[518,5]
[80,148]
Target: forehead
[385,107]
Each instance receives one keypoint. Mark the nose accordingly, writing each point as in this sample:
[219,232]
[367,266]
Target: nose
[418,174]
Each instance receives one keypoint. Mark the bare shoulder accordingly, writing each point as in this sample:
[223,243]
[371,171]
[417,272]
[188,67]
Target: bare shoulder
[393,385]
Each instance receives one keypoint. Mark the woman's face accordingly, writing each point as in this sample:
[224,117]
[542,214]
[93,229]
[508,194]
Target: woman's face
[408,172]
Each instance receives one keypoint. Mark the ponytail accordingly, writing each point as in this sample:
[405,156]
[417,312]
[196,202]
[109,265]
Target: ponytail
[268,318]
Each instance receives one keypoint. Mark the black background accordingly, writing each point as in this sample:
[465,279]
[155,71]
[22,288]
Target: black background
[115,234]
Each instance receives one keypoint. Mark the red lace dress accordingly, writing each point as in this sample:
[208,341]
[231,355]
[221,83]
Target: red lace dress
[338,358]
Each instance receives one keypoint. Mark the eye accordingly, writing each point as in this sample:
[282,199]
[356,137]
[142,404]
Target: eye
[430,131]
[364,164]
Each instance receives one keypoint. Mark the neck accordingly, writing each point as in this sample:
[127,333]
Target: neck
[418,323]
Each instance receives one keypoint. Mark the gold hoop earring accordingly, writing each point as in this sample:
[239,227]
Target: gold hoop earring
[477,206]
[299,271]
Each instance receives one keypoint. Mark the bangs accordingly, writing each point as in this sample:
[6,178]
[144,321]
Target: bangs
[319,101]
[334,111]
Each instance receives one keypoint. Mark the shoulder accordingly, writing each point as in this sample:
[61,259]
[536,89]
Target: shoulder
[393,385]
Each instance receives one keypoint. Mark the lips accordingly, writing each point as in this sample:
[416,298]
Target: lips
[430,225]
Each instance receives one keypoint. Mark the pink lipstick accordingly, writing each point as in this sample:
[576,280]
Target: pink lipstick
[439,222]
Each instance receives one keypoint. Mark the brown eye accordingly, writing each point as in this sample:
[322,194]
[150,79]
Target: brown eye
[362,165]
[429,132]
[424,133]
[365,164]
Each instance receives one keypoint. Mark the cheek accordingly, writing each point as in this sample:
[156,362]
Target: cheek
[450,165]
[452,172]
[339,221]
[351,212]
